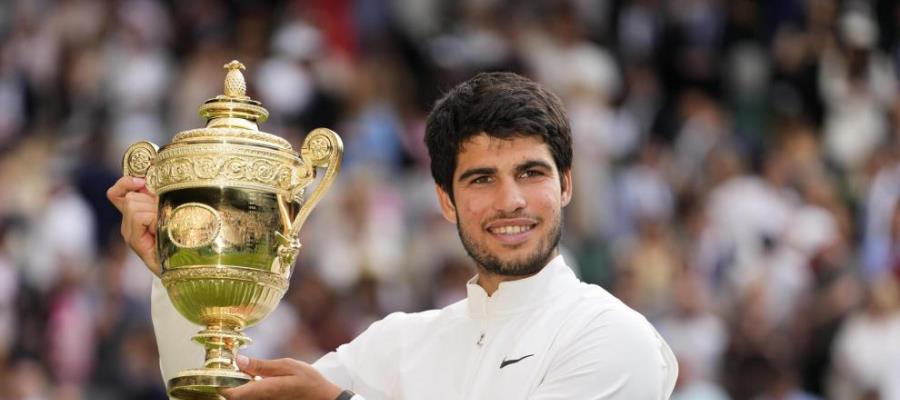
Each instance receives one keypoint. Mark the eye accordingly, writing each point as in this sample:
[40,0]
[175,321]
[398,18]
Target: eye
[481,180]
[530,173]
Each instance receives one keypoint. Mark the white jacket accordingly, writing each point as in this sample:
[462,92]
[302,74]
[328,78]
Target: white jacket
[548,336]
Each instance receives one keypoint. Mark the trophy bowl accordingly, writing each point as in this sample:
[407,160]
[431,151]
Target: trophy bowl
[231,204]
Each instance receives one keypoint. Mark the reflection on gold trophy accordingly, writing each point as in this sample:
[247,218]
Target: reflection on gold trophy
[231,204]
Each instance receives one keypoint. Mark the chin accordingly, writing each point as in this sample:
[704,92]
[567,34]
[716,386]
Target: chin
[529,264]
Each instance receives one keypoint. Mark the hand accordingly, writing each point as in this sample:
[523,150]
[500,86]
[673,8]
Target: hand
[282,379]
[138,207]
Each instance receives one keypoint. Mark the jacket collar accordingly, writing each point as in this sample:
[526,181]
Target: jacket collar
[522,294]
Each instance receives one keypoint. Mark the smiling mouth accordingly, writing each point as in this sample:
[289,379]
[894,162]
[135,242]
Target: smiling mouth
[511,229]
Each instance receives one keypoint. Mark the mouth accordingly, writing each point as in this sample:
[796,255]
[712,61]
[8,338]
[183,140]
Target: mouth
[511,232]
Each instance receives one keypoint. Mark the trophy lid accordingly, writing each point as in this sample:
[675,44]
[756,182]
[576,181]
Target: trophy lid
[235,115]
[231,151]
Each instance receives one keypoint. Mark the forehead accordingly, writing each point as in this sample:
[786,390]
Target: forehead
[487,151]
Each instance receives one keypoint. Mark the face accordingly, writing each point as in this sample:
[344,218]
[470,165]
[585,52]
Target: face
[507,203]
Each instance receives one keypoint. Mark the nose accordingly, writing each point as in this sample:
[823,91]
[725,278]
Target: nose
[510,197]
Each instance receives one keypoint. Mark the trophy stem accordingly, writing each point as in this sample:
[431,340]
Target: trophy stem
[220,370]
[221,344]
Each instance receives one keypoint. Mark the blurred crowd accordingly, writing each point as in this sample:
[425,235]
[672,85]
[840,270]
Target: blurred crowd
[737,174]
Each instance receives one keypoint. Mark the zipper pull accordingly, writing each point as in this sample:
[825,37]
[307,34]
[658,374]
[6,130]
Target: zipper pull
[480,340]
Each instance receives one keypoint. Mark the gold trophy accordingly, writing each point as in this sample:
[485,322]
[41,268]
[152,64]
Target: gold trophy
[231,204]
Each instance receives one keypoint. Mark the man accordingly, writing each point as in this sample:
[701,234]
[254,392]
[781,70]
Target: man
[501,155]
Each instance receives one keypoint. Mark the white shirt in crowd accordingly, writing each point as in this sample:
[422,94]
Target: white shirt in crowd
[548,336]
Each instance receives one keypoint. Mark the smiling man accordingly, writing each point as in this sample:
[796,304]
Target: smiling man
[501,154]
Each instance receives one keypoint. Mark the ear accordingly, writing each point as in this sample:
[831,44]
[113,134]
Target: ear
[566,186]
[447,206]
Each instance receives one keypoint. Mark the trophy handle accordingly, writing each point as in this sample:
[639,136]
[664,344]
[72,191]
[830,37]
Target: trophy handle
[138,160]
[322,148]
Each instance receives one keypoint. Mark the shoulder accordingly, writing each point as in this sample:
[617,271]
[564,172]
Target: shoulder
[597,307]
[604,325]
[609,341]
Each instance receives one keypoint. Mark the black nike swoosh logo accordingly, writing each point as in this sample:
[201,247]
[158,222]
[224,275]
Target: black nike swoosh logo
[506,362]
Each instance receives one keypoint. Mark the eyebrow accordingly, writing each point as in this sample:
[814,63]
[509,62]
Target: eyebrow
[533,164]
[529,164]
[477,171]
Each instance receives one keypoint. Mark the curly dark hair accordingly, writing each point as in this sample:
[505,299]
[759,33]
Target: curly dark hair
[502,105]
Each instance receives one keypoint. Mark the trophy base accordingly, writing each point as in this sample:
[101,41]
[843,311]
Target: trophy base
[204,383]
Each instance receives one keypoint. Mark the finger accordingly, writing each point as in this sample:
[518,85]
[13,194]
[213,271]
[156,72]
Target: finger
[232,393]
[144,222]
[135,202]
[122,186]
[140,197]
[268,368]
[247,391]
[116,193]
[126,223]
[142,231]
[143,194]
[138,203]
[263,389]
[132,207]
[142,238]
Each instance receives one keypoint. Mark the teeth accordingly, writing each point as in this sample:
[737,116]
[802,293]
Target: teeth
[511,230]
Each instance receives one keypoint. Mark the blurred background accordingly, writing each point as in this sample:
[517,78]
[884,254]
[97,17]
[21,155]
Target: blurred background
[737,172]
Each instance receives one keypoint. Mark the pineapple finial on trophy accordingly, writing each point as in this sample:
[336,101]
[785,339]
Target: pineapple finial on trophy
[234,108]
[235,85]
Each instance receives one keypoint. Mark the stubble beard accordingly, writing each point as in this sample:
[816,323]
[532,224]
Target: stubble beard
[531,265]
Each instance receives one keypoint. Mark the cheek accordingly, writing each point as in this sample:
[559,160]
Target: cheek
[471,213]
[546,200]
[471,210]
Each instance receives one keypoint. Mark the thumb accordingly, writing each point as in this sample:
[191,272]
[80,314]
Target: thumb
[266,368]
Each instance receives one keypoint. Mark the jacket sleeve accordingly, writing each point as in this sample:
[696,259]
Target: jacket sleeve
[617,357]
[173,335]
[368,364]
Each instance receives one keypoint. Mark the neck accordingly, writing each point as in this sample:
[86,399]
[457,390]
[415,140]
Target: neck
[490,281]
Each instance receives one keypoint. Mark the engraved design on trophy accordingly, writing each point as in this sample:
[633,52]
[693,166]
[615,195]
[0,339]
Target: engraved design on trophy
[232,201]
[194,225]
[138,158]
